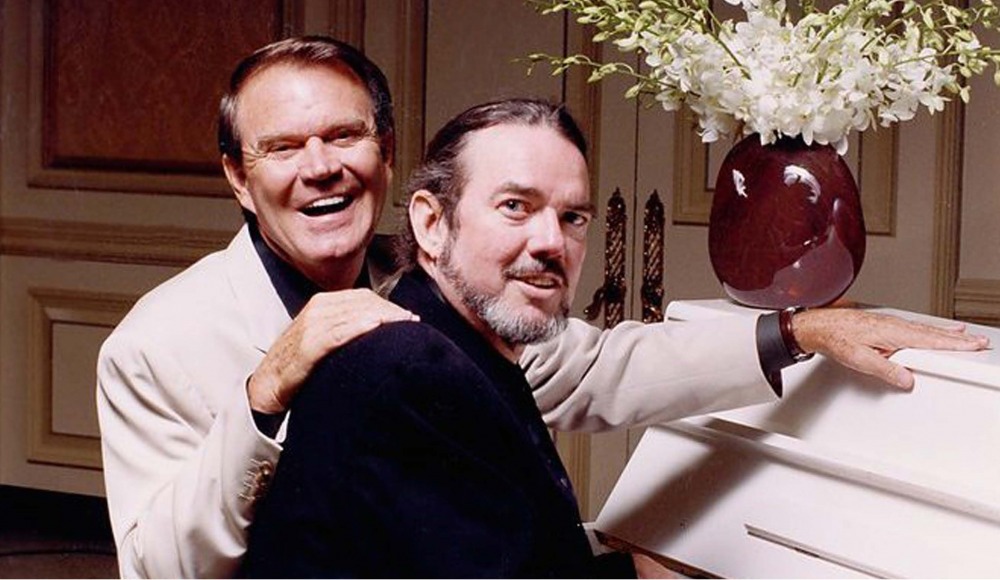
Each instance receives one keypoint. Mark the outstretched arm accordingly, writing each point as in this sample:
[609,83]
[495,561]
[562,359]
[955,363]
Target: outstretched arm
[591,379]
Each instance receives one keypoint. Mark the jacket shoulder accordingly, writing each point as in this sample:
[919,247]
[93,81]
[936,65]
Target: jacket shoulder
[401,361]
[399,347]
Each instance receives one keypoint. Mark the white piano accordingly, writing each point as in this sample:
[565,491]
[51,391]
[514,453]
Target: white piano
[842,478]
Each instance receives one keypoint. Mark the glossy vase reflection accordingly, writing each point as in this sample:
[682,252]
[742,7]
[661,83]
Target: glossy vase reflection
[786,226]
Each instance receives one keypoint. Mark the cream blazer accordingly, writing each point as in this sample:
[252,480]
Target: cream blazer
[184,462]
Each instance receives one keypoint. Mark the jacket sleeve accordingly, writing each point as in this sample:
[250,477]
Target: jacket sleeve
[637,374]
[181,482]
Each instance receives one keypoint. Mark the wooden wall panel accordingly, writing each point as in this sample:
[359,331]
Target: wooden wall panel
[129,86]
[117,72]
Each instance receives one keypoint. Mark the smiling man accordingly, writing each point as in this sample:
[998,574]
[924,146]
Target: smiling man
[417,450]
[315,209]
[194,383]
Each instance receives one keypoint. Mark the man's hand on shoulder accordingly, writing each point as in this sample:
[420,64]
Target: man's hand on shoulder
[329,321]
[864,341]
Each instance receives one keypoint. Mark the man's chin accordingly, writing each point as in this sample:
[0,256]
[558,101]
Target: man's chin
[343,245]
[540,307]
[523,329]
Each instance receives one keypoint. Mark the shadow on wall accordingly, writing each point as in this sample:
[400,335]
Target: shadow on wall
[46,534]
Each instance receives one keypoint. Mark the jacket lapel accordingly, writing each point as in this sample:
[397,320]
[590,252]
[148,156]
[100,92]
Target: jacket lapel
[261,307]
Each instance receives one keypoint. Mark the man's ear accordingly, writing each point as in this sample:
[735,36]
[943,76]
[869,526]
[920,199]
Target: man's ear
[237,179]
[389,174]
[388,148]
[428,223]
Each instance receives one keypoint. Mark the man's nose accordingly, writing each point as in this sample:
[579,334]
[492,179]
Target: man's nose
[319,160]
[547,237]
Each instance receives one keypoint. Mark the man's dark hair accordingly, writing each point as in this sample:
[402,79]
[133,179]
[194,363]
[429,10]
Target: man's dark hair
[441,173]
[307,51]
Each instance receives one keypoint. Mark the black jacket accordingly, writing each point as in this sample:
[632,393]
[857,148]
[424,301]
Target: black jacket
[418,451]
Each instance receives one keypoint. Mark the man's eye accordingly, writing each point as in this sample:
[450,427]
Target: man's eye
[283,150]
[576,219]
[346,136]
[514,206]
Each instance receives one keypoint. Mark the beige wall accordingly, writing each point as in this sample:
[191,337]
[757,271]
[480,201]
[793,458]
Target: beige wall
[978,286]
[79,242]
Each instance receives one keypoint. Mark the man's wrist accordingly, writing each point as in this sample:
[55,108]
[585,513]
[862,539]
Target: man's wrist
[262,389]
[795,351]
[267,419]
[777,346]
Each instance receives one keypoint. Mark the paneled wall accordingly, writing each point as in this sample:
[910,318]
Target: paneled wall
[108,183]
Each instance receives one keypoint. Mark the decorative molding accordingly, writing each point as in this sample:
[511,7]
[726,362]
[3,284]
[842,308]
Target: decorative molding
[947,209]
[611,295]
[48,308]
[694,190]
[145,245]
[977,300]
[878,155]
[145,146]
[651,292]
[409,88]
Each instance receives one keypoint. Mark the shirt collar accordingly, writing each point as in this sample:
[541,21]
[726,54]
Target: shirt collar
[292,286]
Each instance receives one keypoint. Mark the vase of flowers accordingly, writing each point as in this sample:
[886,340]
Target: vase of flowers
[782,74]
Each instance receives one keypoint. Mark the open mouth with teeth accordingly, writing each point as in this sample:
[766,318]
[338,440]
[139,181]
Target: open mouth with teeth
[328,205]
[541,281]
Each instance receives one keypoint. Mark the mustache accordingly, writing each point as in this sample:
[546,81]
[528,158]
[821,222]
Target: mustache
[526,267]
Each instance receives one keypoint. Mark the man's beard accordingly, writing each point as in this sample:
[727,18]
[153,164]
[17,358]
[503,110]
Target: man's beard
[512,327]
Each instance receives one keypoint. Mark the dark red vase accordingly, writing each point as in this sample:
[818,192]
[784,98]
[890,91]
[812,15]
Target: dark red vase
[786,226]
